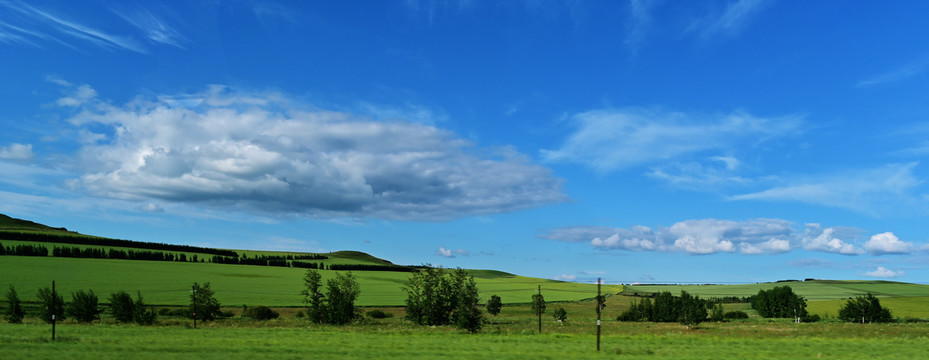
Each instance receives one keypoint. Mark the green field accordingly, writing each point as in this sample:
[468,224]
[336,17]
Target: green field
[168,283]
[635,340]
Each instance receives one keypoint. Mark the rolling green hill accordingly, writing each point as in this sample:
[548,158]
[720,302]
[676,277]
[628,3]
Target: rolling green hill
[168,282]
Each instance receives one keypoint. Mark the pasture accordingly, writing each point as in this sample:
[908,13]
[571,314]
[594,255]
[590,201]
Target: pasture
[287,340]
[168,283]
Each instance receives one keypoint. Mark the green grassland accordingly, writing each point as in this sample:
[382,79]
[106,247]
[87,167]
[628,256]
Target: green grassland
[168,283]
[376,341]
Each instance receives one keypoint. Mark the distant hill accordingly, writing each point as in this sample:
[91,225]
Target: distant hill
[13,224]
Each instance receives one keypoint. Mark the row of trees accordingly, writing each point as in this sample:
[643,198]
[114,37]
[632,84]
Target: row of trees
[686,309]
[85,306]
[97,241]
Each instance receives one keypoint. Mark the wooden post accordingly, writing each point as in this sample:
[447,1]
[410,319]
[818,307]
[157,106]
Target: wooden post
[54,309]
[599,300]
[539,311]
[193,290]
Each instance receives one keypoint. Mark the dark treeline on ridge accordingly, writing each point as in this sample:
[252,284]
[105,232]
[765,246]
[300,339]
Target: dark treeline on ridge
[86,240]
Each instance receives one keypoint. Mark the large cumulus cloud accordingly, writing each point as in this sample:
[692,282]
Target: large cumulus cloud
[265,152]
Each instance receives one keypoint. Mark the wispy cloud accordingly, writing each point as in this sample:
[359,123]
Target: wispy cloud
[640,20]
[905,72]
[155,29]
[869,191]
[616,139]
[730,21]
[46,21]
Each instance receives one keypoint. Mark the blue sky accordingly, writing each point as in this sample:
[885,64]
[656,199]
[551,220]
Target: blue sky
[639,141]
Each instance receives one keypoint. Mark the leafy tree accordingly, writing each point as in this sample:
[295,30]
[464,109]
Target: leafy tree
[693,309]
[494,305]
[340,298]
[203,305]
[14,310]
[141,314]
[122,308]
[865,309]
[468,314]
[779,302]
[538,306]
[665,307]
[52,304]
[84,306]
[313,297]
[561,315]
[433,295]
[718,314]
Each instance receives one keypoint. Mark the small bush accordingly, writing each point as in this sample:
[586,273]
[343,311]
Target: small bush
[300,314]
[379,314]
[260,312]
[83,307]
[733,315]
[164,311]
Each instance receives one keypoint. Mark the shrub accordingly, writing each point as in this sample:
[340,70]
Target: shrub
[735,315]
[261,312]
[141,314]
[865,309]
[494,305]
[379,314]
[560,315]
[164,311]
[14,312]
[51,304]
[83,307]
[121,306]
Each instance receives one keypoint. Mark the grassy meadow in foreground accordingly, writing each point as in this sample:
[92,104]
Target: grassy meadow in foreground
[746,340]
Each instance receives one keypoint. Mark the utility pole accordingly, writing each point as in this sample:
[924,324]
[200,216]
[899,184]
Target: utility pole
[540,311]
[194,292]
[54,308]
[599,306]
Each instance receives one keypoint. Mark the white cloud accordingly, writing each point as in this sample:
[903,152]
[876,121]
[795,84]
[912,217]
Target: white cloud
[868,191]
[819,239]
[17,152]
[616,139]
[77,96]
[263,152]
[565,277]
[887,243]
[883,272]
[704,236]
[442,251]
[773,246]
[152,207]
